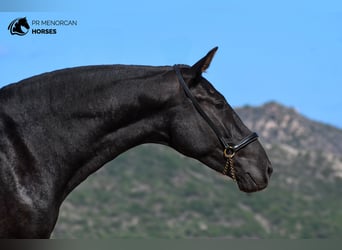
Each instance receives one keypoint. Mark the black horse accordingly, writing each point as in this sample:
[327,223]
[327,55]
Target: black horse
[15,27]
[59,127]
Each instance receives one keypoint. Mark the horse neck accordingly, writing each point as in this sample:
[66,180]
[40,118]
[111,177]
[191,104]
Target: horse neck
[107,112]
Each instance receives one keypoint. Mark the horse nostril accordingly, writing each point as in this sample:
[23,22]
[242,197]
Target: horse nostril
[269,170]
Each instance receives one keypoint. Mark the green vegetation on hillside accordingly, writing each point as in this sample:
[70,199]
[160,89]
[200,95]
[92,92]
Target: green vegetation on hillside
[153,192]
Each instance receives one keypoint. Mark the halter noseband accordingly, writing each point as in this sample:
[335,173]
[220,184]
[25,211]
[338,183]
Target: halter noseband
[229,150]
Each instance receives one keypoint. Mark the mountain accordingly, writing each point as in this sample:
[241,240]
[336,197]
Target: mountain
[154,192]
[316,145]
[278,124]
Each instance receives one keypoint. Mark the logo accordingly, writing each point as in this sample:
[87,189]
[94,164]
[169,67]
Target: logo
[19,27]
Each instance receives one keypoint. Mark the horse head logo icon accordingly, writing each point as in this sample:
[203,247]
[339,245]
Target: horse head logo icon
[17,25]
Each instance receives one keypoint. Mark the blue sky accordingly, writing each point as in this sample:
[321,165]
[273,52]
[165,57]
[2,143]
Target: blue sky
[287,51]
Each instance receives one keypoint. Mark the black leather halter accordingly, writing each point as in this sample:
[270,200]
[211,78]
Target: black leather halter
[229,150]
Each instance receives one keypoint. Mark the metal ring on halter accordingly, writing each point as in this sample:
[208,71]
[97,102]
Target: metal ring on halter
[229,155]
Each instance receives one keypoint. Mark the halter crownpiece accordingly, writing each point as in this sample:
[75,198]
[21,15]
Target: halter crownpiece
[229,150]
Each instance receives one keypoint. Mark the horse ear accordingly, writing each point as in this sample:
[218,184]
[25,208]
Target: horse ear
[203,64]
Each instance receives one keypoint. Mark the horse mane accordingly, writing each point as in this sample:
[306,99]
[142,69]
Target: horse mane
[115,71]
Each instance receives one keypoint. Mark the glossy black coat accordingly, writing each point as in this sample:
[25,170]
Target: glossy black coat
[59,127]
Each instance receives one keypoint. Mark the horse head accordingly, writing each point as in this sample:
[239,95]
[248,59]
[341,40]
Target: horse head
[23,22]
[206,127]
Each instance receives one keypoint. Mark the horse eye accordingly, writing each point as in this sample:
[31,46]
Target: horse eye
[219,105]
[211,91]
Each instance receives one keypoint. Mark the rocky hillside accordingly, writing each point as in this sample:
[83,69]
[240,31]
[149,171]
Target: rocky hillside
[153,192]
[285,129]
[278,124]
